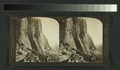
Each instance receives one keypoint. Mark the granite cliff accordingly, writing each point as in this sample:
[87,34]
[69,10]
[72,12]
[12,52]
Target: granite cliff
[75,40]
[30,38]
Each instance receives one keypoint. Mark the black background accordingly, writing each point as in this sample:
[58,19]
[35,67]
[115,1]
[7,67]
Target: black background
[114,39]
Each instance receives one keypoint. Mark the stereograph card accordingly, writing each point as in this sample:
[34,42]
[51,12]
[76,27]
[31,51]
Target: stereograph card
[47,41]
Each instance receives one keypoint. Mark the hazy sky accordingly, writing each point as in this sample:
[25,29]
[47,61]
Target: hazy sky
[50,28]
[94,28]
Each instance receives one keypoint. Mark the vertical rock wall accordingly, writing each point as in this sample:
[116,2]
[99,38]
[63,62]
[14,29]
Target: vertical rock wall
[29,36]
[74,35]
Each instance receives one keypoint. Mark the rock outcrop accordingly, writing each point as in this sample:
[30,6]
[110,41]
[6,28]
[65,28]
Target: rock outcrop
[29,37]
[68,38]
[37,39]
[83,40]
[22,39]
[74,39]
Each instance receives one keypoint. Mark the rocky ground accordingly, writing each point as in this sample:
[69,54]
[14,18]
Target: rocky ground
[69,55]
[28,55]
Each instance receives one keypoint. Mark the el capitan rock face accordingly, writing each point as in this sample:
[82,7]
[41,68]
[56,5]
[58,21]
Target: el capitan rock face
[68,38]
[74,37]
[37,38]
[82,38]
[22,39]
[29,36]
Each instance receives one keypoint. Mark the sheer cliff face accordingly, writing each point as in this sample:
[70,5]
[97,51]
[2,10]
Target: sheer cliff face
[76,35]
[85,40]
[68,37]
[83,37]
[37,38]
[29,36]
[22,39]
[21,31]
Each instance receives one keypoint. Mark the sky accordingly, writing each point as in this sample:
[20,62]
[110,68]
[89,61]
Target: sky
[50,28]
[95,29]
